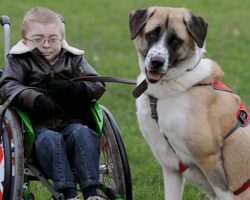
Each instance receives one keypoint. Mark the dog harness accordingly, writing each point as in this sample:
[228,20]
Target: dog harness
[242,115]
[153,105]
[243,119]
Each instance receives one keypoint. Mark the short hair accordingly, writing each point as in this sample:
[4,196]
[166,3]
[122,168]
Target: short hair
[40,15]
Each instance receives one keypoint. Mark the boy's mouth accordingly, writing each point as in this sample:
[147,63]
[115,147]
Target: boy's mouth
[46,54]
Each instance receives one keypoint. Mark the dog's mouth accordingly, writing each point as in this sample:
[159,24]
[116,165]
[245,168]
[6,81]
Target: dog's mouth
[153,76]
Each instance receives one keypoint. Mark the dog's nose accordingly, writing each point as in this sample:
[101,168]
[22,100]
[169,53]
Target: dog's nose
[157,61]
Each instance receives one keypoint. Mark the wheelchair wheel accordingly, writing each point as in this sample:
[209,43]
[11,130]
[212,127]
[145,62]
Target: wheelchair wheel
[11,157]
[114,167]
[5,163]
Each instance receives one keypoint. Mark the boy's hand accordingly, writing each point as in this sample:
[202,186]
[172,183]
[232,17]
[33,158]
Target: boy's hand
[67,88]
[43,107]
[71,96]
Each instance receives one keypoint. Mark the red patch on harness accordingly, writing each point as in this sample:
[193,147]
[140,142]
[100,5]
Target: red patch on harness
[221,86]
[242,188]
[182,167]
[243,114]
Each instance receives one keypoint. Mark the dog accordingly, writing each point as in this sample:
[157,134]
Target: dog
[196,127]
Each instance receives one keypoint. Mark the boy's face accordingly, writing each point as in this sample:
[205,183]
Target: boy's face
[46,37]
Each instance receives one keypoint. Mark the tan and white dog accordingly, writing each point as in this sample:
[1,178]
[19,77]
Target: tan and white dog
[184,118]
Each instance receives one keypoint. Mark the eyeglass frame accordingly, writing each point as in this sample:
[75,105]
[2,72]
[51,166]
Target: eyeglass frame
[42,41]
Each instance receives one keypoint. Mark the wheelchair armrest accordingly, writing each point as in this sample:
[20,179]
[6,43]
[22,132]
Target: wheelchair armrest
[29,135]
[97,116]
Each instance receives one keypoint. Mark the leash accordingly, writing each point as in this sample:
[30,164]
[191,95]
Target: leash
[5,105]
[105,79]
[141,88]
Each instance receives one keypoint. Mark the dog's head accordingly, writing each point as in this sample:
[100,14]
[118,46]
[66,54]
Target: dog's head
[169,41]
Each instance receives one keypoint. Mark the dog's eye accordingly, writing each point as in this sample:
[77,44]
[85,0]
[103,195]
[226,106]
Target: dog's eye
[175,41]
[153,35]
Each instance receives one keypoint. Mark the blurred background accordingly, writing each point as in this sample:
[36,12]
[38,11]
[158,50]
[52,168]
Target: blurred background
[100,28]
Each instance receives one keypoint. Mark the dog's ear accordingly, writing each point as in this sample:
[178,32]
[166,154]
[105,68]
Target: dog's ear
[138,18]
[197,28]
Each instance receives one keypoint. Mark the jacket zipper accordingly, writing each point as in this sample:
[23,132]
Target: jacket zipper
[52,74]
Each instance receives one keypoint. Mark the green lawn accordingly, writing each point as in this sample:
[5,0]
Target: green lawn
[100,27]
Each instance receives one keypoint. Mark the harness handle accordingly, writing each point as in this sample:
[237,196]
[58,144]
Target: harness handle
[5,22]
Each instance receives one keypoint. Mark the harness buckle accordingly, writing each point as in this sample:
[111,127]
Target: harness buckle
[153,106]
[243,117]
[154,116]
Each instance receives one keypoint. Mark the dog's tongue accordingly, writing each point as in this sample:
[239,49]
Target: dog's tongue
[153,75]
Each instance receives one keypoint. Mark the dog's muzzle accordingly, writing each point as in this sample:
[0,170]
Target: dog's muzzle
[157,62]
[155,69]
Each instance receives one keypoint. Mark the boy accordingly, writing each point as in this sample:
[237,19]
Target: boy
[44,60]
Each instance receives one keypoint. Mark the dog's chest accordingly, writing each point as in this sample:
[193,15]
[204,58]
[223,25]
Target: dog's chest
[172,119]
[172,122]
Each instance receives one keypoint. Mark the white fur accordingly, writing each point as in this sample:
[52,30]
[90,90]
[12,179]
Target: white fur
[159,50]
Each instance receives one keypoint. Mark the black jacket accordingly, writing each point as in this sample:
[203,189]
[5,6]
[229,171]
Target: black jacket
[28,68]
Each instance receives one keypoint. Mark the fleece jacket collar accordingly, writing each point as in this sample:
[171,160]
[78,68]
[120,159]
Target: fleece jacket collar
[21,48]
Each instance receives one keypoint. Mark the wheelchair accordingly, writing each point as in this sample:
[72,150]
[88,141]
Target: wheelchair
[18,169]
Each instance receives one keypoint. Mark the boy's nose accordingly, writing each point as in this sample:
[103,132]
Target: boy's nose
[46,43]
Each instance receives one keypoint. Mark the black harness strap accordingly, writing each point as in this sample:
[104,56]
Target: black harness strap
[153,106]
[154,115]
[237,125]
[140,88]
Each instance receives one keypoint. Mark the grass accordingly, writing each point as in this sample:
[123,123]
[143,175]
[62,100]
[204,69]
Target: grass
[100,27]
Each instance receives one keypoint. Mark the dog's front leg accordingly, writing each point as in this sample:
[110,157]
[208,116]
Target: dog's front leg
[214,171]
[196,176]
[173,184]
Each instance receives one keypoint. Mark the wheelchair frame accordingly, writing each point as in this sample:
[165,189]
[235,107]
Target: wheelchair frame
[17,168]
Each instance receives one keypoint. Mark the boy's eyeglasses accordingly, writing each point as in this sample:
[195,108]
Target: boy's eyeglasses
[39,41]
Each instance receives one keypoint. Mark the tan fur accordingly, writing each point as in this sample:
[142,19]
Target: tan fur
[210,117]
[236,153]
[217,74]
[213,114]
[214,120]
